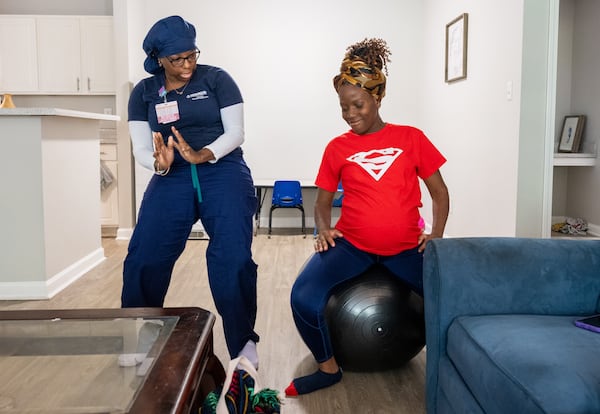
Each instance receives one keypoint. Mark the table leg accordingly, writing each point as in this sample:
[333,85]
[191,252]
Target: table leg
[212,378]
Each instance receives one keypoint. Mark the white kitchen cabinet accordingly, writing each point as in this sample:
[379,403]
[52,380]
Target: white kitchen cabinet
[109,200]
[18,57]
[59,56]
[97,54]
[75,54]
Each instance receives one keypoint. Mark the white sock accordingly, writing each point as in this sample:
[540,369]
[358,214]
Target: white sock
[249,351]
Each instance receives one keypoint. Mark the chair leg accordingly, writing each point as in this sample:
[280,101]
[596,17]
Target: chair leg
[303,222]
[270,220]
[301,208]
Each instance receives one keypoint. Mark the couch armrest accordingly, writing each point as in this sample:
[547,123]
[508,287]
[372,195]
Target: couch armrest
[501,275]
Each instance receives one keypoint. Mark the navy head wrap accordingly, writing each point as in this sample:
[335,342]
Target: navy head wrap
[166,37]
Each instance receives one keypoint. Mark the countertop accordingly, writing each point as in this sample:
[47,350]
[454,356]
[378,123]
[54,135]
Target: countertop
[57,112]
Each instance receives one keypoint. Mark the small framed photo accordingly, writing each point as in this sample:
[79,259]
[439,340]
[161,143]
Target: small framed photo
[572,130]
[456,48]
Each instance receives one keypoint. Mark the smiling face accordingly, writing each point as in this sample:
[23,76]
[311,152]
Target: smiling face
[360,109]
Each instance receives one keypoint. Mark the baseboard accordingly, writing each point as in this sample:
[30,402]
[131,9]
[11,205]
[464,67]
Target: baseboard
[124,233]
[47,289]
[109,231]
[63,279]
[23,290]
[198,235]
[594,230]
[296,221]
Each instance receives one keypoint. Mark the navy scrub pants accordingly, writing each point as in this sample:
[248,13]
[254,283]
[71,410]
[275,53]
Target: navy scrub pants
[324,271]
[168,210]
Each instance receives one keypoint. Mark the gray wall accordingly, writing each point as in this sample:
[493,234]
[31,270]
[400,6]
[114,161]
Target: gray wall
[60,7]
[535,148]
[583,186]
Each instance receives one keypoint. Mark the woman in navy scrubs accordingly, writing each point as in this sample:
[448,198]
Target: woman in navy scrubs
[186,124]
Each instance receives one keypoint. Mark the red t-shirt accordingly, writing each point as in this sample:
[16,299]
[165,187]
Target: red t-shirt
[379,174]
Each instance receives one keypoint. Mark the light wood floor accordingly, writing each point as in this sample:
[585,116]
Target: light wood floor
[282,353]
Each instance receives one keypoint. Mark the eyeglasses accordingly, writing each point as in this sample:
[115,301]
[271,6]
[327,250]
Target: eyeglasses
[191,58]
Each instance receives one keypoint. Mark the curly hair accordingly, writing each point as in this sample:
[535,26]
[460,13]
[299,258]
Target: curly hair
[374,52]
[364,65]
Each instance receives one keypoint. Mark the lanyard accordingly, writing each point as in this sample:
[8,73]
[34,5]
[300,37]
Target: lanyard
[162,92]
[195,181]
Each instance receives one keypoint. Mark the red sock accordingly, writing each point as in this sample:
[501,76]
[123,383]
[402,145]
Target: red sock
[313,382]
[291,391]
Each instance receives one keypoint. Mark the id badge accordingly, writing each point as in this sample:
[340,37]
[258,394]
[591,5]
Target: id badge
[167,112]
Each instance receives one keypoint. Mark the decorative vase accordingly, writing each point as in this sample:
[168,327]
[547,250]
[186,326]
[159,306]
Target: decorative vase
[7,101]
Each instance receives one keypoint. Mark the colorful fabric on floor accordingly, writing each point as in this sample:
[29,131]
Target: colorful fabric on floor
[241,399]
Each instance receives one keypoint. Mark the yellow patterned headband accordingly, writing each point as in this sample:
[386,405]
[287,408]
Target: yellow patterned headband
[357,72]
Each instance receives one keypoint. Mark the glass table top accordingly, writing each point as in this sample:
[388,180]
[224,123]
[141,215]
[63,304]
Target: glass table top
[77,365]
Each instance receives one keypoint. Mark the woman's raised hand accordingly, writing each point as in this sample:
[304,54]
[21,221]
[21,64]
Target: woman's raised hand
[163,154]
[187,152]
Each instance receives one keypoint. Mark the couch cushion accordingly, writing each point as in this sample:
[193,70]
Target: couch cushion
[453,394]
[527,363]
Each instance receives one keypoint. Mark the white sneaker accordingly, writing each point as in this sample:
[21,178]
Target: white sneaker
[146,337]
[249,351]
[131,360]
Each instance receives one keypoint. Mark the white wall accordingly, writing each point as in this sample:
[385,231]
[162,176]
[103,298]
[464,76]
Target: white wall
[284,55]
[472,121]
[563,105]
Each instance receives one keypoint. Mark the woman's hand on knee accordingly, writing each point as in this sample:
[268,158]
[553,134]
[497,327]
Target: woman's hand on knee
[326,238]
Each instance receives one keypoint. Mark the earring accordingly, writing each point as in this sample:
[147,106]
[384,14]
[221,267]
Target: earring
[159,63]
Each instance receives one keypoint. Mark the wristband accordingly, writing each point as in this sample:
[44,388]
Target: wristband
[160,172]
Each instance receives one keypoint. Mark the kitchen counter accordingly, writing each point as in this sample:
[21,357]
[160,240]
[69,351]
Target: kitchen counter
[50,204]
[56,112]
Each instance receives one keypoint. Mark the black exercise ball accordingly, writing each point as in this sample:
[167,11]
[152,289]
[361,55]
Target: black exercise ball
[376,322]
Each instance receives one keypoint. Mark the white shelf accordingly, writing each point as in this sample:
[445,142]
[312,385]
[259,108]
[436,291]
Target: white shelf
[568,159]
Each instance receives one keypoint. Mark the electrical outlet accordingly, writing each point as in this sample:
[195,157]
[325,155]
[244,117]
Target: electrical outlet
[107,111]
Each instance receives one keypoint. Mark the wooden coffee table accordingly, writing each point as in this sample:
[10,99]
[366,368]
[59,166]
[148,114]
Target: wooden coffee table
[72,361]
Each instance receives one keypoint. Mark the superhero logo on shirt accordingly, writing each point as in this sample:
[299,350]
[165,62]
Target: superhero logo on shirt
[376,162]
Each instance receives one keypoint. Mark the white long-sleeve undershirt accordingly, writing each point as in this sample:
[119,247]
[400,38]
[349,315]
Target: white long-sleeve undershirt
[232,118]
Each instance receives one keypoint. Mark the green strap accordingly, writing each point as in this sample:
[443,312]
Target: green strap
[195,181]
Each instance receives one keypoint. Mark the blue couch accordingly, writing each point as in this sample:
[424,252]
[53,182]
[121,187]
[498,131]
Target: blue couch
[499,316]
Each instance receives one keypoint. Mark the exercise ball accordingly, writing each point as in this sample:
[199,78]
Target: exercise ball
[376,322]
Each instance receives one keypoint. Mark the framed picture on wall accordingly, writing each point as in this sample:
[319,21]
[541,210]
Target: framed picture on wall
[456,48]
[572,130]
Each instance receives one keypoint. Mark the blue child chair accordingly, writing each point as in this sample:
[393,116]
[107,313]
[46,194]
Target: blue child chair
[287,194]
[337,202]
